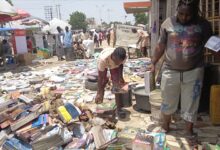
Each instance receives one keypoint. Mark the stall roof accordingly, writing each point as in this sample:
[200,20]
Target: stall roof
[136,7]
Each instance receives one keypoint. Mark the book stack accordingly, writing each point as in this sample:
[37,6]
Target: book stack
[105,107]
[15,144]
[150,141]
[128,134]
[56,137]
[103,137]
[68,112]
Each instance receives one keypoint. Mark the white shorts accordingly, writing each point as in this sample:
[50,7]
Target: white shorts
[185,86]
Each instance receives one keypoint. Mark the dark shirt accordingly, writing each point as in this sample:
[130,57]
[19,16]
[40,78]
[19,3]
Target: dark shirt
[184,43]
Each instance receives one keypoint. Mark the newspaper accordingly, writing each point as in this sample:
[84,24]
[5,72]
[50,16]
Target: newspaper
[213,43]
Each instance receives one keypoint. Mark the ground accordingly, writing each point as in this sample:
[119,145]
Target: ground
[141,119]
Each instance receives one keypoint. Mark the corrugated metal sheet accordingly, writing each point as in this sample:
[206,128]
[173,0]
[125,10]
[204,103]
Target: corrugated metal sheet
[136,7]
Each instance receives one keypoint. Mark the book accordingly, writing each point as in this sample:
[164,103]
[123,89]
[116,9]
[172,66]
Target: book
[149,140]
[103,137]
[213,43]
[101,108]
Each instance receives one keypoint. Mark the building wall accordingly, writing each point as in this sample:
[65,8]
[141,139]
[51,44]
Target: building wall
[160,10]
[211,11]
[171,7]
[154,24]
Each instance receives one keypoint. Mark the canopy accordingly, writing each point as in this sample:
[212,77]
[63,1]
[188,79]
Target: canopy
[33,21]
[7,9]
[136,7]
[21,14]
[53,24]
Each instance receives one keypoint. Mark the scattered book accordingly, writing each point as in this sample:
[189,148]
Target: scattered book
[103,137]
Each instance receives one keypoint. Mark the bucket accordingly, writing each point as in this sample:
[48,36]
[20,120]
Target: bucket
[124,98]
[215,104]
[155,101]
[142,99]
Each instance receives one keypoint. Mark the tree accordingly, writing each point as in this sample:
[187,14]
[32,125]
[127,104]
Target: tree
[115,22]
[78,20]
[105,25]
[141,18]
[128,23]
[10,2]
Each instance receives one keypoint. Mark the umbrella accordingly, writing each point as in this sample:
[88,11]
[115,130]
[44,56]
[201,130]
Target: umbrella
[52,28]
[33,21]
[7,9]
[21,14]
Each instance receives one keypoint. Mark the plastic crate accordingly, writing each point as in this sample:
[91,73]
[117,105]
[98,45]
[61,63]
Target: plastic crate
[215,104]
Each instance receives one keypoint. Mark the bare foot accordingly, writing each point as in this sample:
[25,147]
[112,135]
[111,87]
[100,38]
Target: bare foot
[98,99]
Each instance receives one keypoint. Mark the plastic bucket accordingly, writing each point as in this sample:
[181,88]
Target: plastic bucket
[125,98]
[142,99]
[155,101]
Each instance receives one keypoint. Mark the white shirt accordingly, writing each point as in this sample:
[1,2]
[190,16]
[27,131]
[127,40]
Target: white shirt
[89,46]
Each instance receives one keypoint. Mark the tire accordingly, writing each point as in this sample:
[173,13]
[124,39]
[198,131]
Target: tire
[93,86]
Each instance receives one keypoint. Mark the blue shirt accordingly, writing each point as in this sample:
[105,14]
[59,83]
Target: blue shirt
[67,39]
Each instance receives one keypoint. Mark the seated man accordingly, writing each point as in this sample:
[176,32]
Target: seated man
[112,59]
[6,48]
[78,50]
[7,52]
[89,47]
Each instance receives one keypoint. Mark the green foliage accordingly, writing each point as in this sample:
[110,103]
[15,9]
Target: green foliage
[115,22]
[106,25]
[141,18]
[78,20]
[128,23]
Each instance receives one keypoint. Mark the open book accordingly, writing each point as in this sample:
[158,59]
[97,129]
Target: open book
[213,43]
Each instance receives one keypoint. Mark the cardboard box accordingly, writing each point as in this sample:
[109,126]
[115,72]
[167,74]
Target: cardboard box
[25,59]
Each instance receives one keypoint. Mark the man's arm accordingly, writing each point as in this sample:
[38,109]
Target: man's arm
[139,40]
[158,53]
